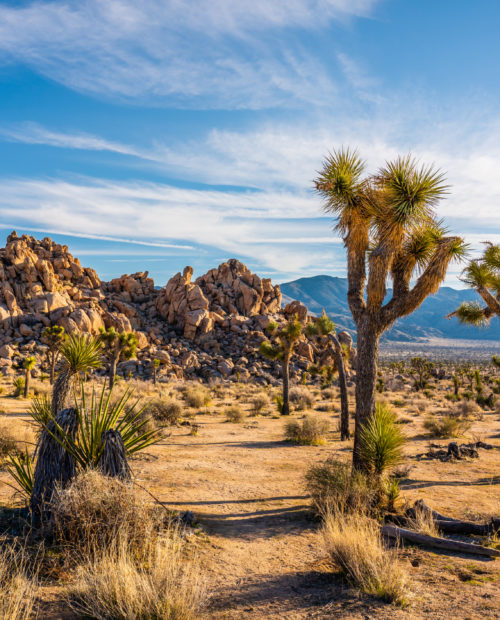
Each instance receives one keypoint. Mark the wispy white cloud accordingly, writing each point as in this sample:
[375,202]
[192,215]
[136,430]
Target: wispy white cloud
[212,53]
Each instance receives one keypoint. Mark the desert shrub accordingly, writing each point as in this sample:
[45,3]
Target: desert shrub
[422,521]
[165,410]
[18,385]
[259,402]
[354,543]
[335,486]
[301,398]
[468,409]
[17,587]
[310,431]
[398,402]
[95,511]
[235,414]
[8,442]
[392,492]
[114,586]
[382,440]
[278,399]
[328,394]
[447,426]
[197,397]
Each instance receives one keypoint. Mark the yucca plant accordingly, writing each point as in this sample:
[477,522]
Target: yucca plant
[80,353]
[100,414]
[41,410]
[390,232]
[382,440]
[281,347]
[117,346]
[18,385]
[20,467]
[28,365]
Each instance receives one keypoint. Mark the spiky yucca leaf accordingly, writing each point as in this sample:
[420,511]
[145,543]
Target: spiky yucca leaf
[41,409]
[382,440]
[291,332]
[472,314]
[491,256]
[20,467]
[99,415]
[271,352]
[477,274]
[81,352]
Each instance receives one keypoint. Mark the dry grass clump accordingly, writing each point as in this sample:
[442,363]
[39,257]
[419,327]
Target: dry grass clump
[445,427]
[17,588]
[94,511]
[259,402]
[165,411]
[423,522]
[13,439]
[235,414]
[354,543]
[311,431]
[197,397]
[301,398]
[468,409]
[335,486]
[328,394]
[114,586]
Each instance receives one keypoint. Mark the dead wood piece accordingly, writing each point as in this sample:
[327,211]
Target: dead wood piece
[113,461]
[399,533]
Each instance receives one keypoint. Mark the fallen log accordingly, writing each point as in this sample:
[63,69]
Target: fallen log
[449,525]
[400,533]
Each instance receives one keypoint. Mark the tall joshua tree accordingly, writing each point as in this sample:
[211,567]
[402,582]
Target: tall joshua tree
[390,231]
[281,347]
[323,331]
[53,336]
[117,346]
[79,353]
[483,275]
[28,365]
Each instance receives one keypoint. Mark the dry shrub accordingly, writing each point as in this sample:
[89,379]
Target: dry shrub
[113,585]
[423,522]
[354,543]
[335,486]
[197,397]
[94,511]
[165,411]
[235,414]
[301,398]
[17,588]
[445,427]
[311,431]
[260,402]
[328,394]
[13,438]
[468,409]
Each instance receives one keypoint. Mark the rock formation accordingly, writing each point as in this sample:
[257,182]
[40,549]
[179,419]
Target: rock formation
[210,328]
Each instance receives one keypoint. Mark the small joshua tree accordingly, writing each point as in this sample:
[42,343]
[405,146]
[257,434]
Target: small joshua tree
[328,347]
[117,346]
[483,275]
[281,347]
[79,353]
[28,365]
[53,337]
[390,231]
[156,365]
[421,369]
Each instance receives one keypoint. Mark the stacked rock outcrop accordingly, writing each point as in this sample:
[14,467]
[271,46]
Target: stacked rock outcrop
[210,328]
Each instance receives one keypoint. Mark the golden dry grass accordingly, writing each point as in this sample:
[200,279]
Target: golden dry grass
[17,589]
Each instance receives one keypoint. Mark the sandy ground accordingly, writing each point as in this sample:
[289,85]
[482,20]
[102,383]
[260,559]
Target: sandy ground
[259,542]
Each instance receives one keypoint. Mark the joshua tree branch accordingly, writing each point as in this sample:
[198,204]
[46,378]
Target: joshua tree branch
[491,301]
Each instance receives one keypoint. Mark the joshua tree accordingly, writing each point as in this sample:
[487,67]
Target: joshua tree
[482,274]
[281,348]
[53,337]
[28,365]
[156,365]
[80,353]
[117,346]
[421,368]
[323,331]
[389,229]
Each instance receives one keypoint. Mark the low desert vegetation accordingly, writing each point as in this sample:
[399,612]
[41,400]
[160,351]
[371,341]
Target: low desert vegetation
[354,543]
[235,414]
[18,584]
[448,426]
[311,431]
[165,410]
[260,402]
[197,397]
[301,398]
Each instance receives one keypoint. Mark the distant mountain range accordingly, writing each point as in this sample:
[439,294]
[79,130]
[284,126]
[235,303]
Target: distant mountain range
[429,321]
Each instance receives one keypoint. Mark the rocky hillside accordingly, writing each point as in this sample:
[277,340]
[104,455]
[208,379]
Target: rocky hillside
[210,328]
[429,321]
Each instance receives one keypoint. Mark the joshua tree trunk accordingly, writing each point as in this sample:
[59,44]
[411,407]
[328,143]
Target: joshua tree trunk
[366,375]
[344,402]
[113,461]
[112,369]
[54,464]
[27,383]
[285,364]
[154,375]
[60,391]
[52,362]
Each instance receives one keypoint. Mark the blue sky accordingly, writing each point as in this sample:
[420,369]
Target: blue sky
[151,135]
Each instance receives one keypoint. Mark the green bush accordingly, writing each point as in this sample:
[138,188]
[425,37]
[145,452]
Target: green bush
[447,426]
[382,440]
[311,431]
